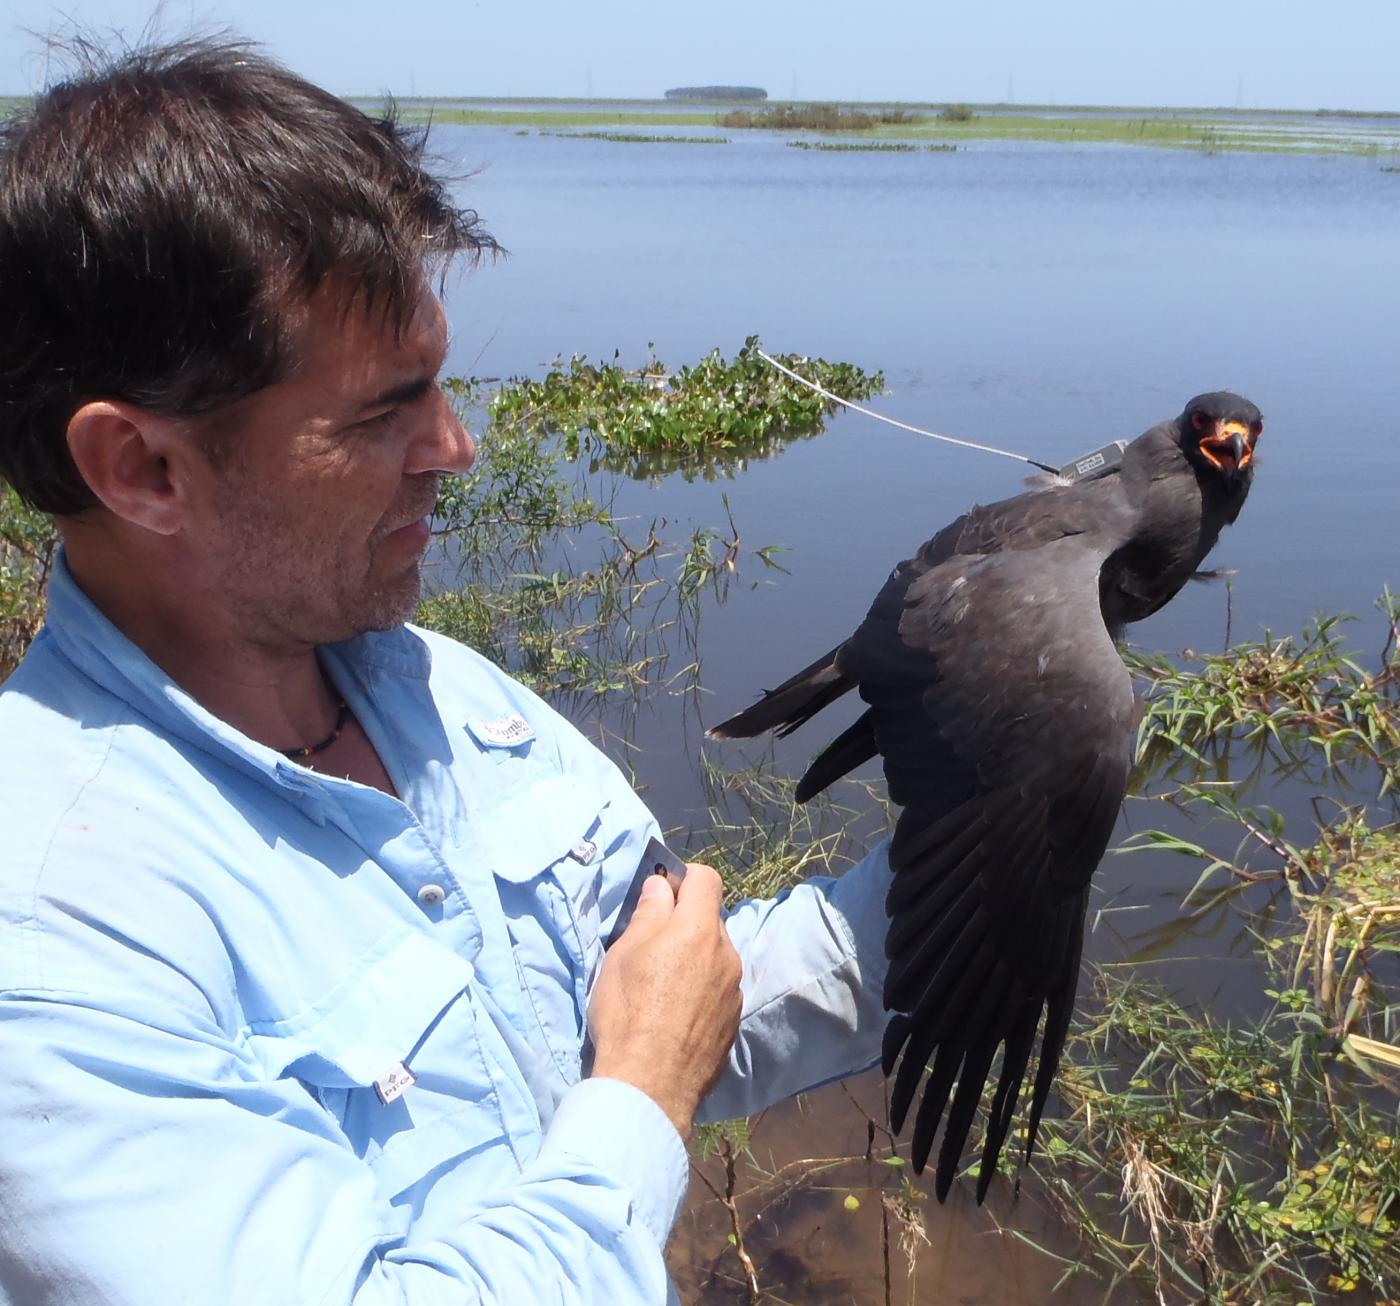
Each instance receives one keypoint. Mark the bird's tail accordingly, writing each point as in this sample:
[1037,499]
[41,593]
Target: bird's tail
[794,702]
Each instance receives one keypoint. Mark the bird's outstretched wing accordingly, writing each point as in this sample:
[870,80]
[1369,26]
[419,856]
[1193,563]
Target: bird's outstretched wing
[1004,716]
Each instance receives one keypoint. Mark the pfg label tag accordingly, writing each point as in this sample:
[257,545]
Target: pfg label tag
[394,1083]
[584,851]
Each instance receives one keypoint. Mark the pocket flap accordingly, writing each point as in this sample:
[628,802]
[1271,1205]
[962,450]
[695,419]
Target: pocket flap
[533,828]
[371,1020]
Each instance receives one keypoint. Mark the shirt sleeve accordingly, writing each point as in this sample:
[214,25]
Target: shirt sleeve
[145,1163]
[814,968]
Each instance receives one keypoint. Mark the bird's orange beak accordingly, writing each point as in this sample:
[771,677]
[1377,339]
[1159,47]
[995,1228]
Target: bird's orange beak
[1229,447]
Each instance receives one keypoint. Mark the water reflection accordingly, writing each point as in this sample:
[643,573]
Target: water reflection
[656,466]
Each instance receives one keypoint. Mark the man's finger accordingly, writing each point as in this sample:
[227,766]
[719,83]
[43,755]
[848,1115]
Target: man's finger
[702,890]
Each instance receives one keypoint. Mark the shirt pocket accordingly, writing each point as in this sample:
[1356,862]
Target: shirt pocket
[409,1003]
[547,842]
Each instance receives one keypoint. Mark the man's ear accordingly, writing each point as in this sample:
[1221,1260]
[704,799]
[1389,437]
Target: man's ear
[125,454]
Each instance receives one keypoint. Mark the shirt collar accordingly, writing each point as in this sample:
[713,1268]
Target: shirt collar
[87,638]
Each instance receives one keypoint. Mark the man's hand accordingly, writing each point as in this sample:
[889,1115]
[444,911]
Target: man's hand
[665,1009]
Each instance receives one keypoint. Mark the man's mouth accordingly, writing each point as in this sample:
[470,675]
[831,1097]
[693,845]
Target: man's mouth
[419,529]
[416,523]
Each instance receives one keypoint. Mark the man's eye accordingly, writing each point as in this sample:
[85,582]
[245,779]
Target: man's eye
[379,421]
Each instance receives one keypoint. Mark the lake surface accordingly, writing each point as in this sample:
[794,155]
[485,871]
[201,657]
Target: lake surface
[1040,298]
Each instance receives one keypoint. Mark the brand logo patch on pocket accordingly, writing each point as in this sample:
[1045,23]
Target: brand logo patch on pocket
[504,732]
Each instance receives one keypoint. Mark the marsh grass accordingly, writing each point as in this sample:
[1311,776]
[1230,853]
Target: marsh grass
[1187,132]
[1256,1161]
[27,545]
[542,118]
[537,572]
[762,841]
[571,622]
[1304,695]
[815,117]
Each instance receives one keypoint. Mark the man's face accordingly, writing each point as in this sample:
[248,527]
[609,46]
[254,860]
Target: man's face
[318,510]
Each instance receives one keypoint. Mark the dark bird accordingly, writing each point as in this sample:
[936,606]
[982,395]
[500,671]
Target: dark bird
[1005,719]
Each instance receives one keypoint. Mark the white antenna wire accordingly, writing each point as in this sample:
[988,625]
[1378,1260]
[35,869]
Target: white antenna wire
[903,426]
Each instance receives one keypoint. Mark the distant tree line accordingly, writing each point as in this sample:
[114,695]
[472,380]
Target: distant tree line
[717,93]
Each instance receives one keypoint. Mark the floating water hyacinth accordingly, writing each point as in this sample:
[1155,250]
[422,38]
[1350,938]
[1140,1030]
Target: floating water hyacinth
[717,404]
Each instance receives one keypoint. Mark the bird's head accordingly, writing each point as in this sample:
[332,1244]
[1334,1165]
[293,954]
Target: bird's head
[1218,434]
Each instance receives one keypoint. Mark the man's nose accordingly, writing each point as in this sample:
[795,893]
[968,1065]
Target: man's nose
[444,445]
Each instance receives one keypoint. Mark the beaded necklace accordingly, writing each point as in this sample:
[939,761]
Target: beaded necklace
[342,715]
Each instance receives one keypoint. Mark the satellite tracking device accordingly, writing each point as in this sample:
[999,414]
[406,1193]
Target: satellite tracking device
[656,860]
[1093,465]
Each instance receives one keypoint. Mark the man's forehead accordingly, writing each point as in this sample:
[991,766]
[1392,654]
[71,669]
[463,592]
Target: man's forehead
[336,328]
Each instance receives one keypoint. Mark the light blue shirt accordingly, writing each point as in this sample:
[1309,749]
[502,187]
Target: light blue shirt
[210,956]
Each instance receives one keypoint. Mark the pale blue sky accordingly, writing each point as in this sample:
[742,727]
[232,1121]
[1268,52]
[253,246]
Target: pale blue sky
[1252,53]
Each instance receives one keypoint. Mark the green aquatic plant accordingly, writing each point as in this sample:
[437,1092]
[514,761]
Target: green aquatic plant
[732,404]
[1247,1168]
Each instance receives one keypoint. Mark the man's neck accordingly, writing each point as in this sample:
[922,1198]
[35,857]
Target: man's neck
[277,695]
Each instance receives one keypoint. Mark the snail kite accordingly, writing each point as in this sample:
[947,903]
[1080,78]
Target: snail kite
[1004,717]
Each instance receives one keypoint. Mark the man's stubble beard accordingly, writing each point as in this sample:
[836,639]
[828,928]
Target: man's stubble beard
[292,592]
[302,588]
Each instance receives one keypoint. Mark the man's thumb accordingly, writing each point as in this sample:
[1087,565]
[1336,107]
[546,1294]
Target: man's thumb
[656,903]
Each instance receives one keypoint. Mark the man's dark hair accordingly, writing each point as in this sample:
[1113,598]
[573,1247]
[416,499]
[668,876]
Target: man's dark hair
[159,215]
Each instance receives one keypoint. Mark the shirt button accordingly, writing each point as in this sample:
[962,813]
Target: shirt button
[431,895]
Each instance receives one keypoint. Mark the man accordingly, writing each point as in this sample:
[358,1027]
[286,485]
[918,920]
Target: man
[301,909]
